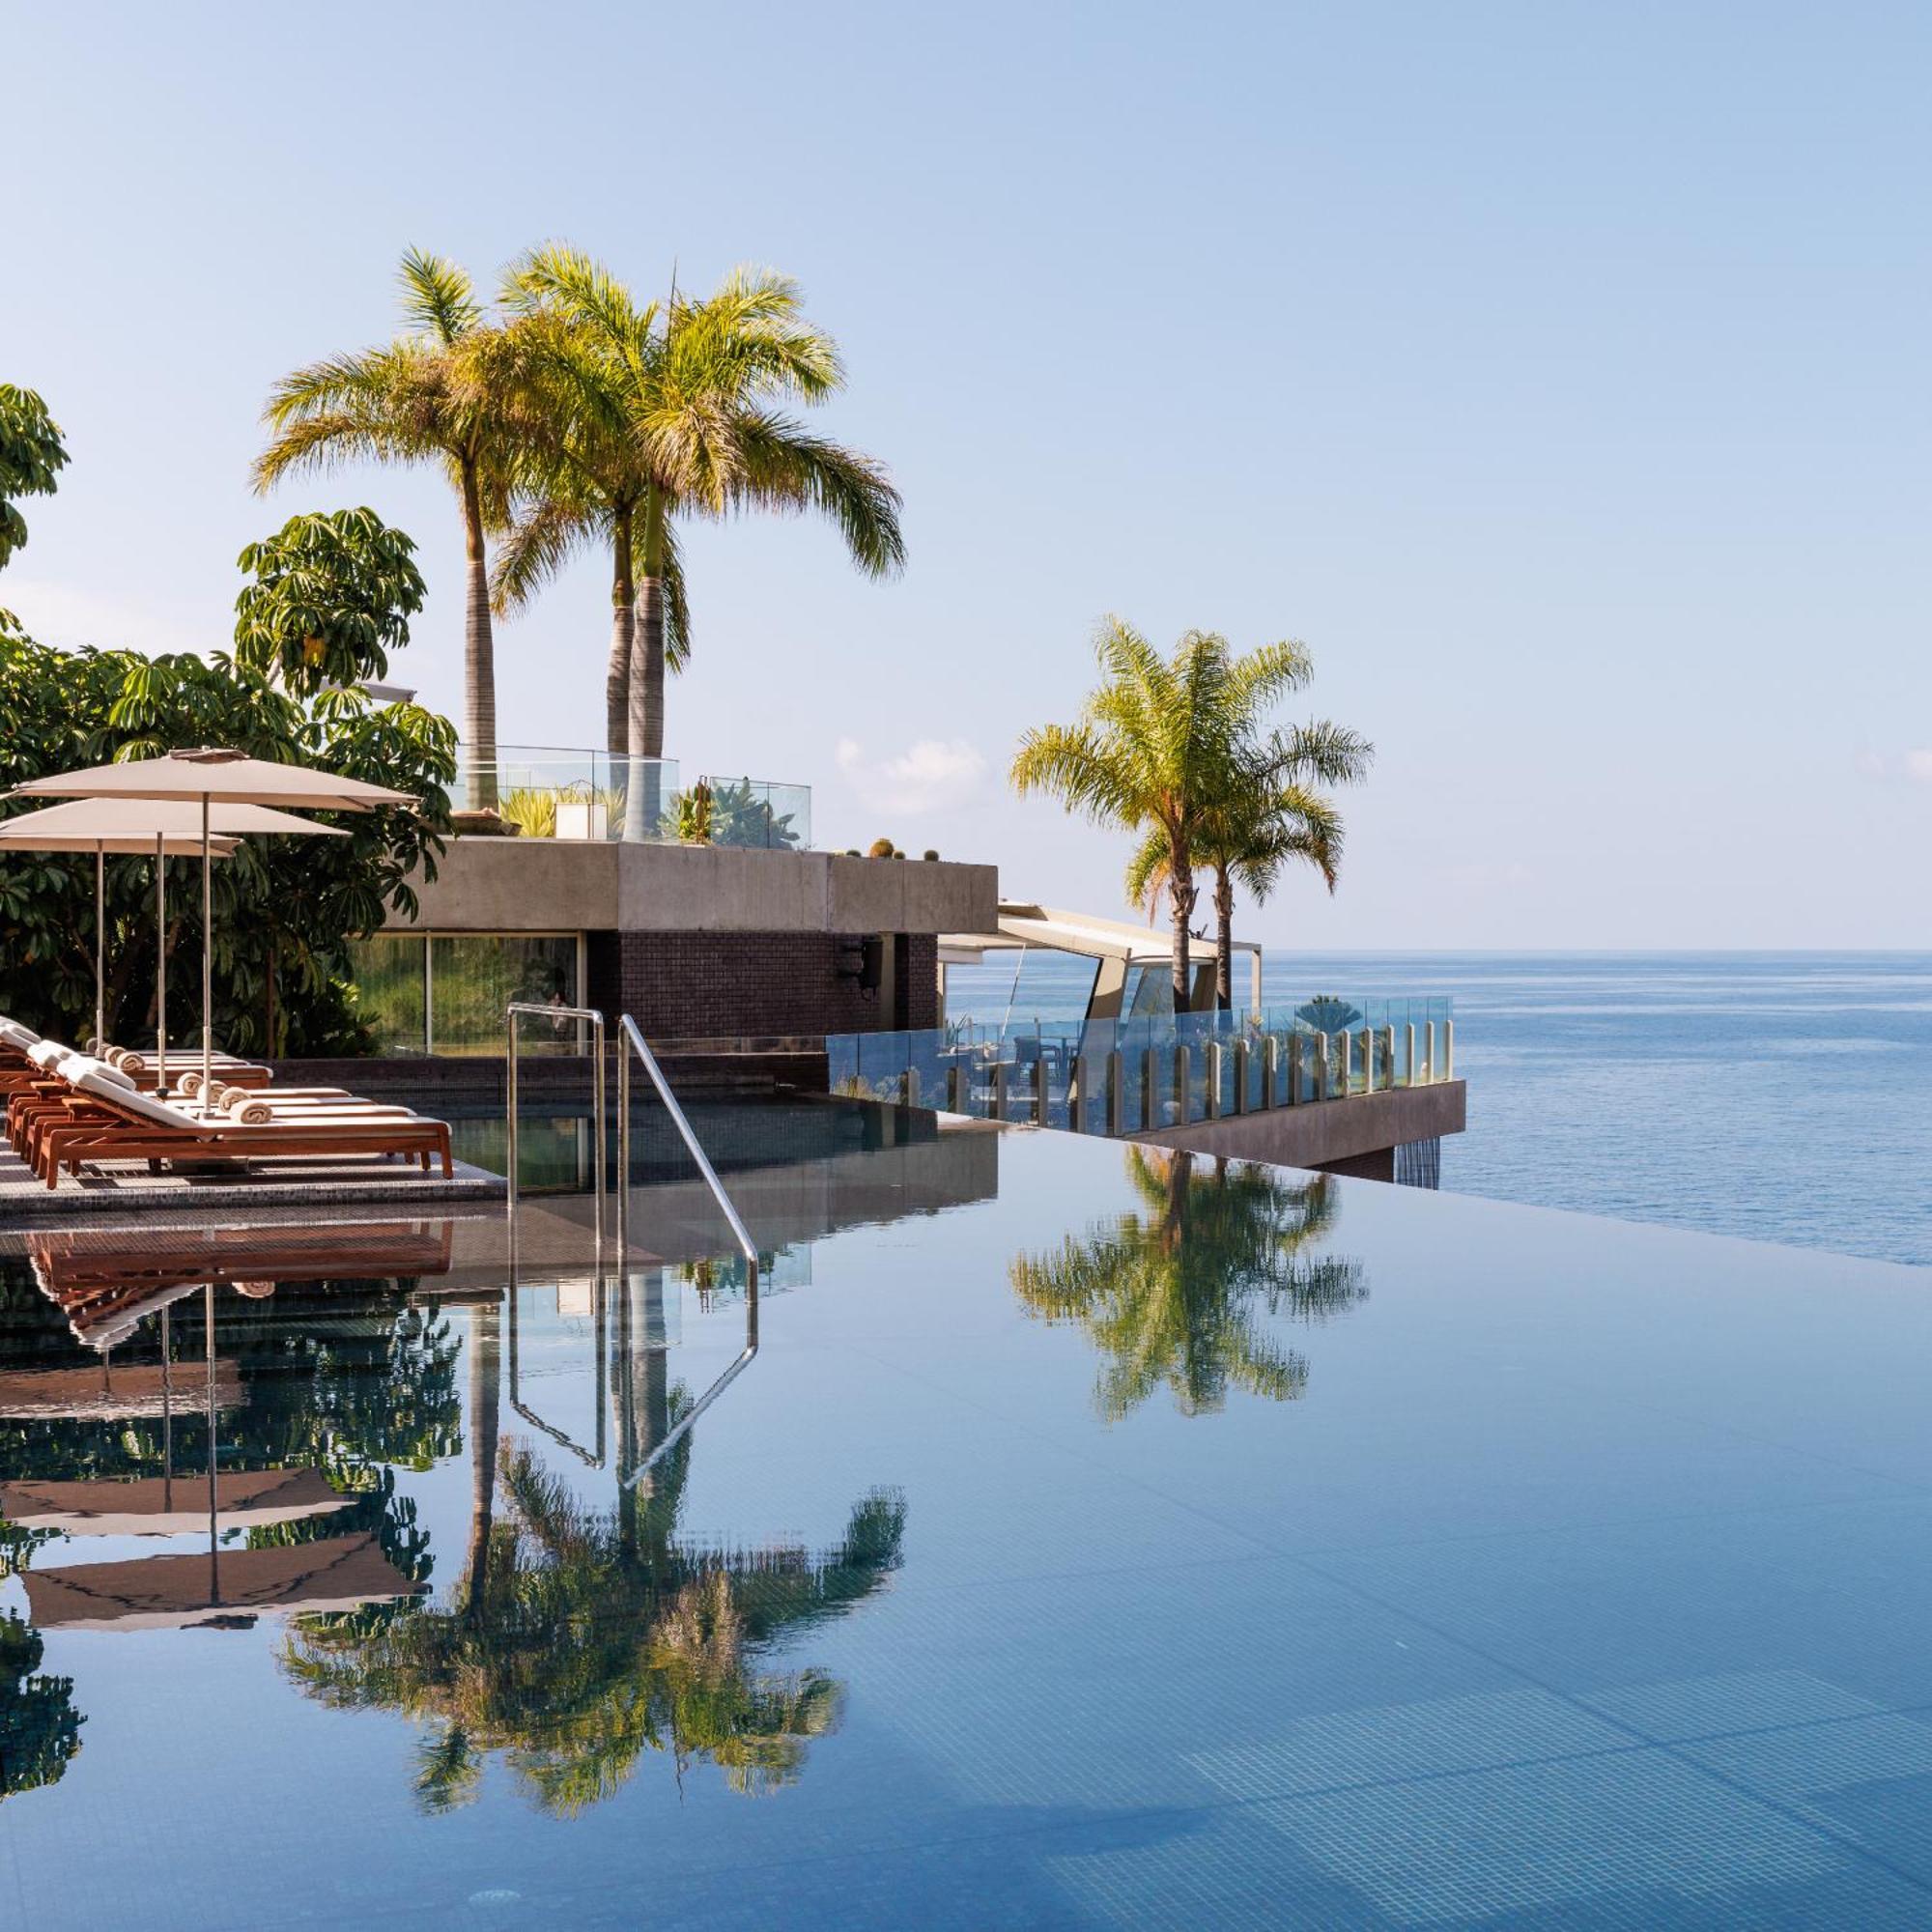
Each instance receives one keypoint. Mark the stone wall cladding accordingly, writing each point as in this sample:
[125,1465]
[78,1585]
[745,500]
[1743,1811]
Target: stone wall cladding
[714,985]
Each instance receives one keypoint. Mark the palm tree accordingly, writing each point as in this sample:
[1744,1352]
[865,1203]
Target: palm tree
[1171,1296]
[1158,746]
[1269,818]
[437,394]
[662,411]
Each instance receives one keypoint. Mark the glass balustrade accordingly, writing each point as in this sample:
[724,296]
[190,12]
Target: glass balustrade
[1140,1072]
[556,792]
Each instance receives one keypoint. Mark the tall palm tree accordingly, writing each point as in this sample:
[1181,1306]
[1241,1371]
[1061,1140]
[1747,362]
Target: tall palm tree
[1156,746]
[1173,1295]
[1268,817]
[437,394]
[660,412]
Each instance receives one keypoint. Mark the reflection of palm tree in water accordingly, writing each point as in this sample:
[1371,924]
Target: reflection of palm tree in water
[1175,1296]
[579,1639]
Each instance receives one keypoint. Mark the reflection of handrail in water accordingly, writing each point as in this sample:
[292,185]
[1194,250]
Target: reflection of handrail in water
[746,1246]
[676,1434]
[529,1415]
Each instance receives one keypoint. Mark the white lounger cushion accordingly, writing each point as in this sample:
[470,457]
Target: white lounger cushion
[91,1077]
[15,1034]
[49,1054]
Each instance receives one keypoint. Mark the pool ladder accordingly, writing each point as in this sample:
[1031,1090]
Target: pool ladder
[631,1040]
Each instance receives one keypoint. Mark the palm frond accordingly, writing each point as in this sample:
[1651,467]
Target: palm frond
[438,297]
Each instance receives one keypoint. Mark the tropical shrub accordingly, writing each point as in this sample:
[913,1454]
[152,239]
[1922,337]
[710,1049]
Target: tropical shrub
[332,594]
[285,908]
[31,453]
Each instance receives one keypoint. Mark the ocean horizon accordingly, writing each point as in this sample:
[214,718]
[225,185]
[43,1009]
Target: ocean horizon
[1779,1097]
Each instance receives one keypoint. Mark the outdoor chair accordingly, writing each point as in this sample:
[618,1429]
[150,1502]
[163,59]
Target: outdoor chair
[108,1119]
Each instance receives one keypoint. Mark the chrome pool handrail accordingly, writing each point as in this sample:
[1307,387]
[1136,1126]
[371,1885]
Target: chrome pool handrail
[746,1246]
[644,1052]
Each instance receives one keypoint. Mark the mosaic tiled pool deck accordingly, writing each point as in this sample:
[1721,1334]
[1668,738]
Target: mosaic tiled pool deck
[1098,1538]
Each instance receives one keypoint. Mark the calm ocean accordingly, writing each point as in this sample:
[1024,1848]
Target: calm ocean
[1781,1097]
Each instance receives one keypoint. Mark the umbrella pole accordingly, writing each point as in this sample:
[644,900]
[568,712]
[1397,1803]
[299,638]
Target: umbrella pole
[99,946]
[207,965]
[160,966]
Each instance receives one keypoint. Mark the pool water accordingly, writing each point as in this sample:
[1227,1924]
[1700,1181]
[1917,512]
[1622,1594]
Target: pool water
[1096,1538]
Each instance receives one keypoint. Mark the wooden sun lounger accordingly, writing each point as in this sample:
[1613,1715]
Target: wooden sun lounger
[107,1121]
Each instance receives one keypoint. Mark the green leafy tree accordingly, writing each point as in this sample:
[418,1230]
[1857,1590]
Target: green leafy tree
[1268,816]
[32,455]
[285,909]
[1156,746]
[1175,1296]
[332,594]
[438,394]
[648,415]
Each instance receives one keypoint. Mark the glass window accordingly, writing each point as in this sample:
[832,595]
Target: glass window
[475,977]
[388,968]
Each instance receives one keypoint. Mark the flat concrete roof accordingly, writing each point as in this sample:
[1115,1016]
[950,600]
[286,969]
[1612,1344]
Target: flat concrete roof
[574,885]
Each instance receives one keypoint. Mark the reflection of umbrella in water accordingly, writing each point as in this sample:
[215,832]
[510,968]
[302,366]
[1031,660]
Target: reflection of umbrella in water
[244,1500]
[208,777]
[226,1586]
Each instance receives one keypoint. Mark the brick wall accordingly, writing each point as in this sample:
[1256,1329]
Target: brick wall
[705,985]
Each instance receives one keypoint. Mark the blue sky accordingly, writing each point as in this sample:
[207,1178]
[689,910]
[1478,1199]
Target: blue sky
[1557,372]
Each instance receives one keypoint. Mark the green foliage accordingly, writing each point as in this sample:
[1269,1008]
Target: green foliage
[284,908]
[739,817]
[1175,1296]
[1161,745]
[40,1729]
[636,418]
[332,595]
[531,808]
[581,1640]
[691,814]
[31,456]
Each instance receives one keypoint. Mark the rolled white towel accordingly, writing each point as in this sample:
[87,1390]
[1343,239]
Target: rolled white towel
[248,1110]
[129,1062]
[225,1095]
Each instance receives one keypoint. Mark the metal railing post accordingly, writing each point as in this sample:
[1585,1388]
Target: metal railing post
[1321,1068]
[1448,1049]
[1429,1050]
[956,1088]
[1210,1081]
[1149,1089]
[1076,1096]
[1271,1070]
[510,1099]
[1117,1100]
[1410,1081]
[1039,1090]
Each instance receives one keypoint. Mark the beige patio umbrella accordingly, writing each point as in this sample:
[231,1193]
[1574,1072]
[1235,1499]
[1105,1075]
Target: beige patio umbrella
[169,828]
[206,777]
[64,828]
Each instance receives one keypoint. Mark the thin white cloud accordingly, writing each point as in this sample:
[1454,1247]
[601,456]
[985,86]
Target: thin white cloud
[930,775]
[67,616]
[1918,765]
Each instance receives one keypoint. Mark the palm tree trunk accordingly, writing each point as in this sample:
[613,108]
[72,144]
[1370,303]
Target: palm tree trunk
[1224,939]
[485,1394]
[623,645]
[644,739]
[479,655]
[1181,909]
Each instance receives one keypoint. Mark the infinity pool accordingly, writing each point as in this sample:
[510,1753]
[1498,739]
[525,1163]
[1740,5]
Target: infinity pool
[1096,1538]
